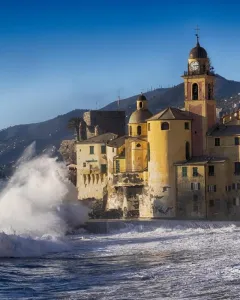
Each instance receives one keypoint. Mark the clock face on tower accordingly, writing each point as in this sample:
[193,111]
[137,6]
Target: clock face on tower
[194,66]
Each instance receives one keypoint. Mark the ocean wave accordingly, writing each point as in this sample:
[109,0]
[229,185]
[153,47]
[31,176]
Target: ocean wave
[14,246]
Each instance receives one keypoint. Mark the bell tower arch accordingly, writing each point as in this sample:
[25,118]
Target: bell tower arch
[199,80]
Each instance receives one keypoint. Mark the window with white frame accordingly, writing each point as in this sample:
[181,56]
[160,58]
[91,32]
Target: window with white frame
[212,188]
[195,186]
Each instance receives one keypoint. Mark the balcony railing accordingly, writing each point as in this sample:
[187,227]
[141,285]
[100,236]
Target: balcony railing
[193,73]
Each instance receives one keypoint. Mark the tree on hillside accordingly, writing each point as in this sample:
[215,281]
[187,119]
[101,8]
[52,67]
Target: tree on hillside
[74,124]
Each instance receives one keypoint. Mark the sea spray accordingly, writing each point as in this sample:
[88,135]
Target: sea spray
[38,201]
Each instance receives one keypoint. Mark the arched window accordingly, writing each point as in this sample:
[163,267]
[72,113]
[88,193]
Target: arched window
[204,69]
[140,104]
[195,91]
[187,150]
[130,130]
[148,152]
[209,91]
[165,126]
[139,130]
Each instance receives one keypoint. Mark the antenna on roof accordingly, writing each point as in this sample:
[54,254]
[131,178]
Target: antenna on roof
[118,103]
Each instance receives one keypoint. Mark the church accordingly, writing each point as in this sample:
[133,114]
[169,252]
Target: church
[179,164]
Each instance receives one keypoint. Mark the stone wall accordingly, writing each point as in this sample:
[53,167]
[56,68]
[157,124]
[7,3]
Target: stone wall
[108,121]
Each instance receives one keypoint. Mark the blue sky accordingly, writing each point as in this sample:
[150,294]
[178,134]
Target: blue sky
[56,56]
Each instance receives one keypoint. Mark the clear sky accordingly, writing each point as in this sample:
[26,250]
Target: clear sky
[58,55]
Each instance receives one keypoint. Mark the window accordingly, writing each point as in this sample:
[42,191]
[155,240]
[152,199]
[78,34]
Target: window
[195,91]
[237,168]
[165,126]
[149,127]
[234,186]
[195,186]
[138,145]
[130,130]
[210,170]
[103,168]
[91,149]
[211,203]
[195,203]
[212,188]
[209,91]
[139,130]
[103,149]
[84,165]
[117,166]
[140,104]
[228,188]
[186,125]
[195,171]
[217,141]
[184,171]
[236,140]
[187,150]
[148,152]
[236,201]
[112,149]
[217,204]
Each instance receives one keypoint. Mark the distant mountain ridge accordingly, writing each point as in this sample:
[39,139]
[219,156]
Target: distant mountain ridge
[49,134]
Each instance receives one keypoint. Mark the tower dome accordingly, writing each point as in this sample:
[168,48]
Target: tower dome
[198,51]
[141,114]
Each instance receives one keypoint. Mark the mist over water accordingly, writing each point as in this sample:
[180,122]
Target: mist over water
[39,202]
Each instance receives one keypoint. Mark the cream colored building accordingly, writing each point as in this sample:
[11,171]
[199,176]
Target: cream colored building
[92,166]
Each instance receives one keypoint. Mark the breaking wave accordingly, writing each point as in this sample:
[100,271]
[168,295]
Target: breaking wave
[37,207]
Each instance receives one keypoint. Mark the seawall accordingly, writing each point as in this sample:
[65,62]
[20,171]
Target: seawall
[108,226]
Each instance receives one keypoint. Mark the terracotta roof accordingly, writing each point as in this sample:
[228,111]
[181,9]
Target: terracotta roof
[201,160]
[171,113]
[102,139]
[224,130]
[118,142]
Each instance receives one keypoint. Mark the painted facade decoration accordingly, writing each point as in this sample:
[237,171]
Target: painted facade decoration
[174,164]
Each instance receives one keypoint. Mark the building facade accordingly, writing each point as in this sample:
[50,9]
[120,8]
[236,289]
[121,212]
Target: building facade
[174,164]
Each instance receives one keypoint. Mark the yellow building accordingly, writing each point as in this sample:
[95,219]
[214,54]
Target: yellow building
[174,164]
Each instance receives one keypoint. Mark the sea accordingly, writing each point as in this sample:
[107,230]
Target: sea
[41,258]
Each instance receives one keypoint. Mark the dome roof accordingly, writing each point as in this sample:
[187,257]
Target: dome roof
[141,98]
[198,52]
[140,116]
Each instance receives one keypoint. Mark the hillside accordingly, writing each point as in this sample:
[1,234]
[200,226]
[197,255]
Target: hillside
[161,98]
[49,134]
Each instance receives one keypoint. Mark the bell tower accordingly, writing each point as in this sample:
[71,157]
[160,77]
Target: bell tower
[199,101]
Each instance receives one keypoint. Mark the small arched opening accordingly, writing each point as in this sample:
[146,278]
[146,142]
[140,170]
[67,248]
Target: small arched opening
[187,150]
[210,91]
[140,104]
[195,91]
[165,126]
[139,130]
[130,130]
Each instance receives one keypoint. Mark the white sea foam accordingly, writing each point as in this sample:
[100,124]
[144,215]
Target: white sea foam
[37,202]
